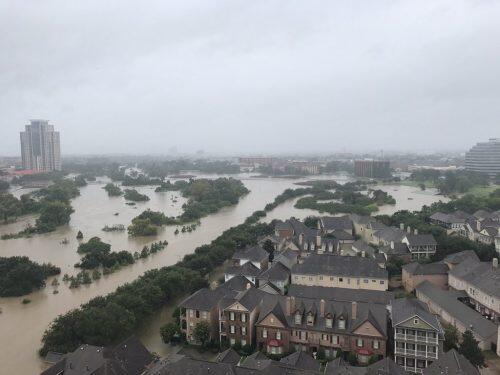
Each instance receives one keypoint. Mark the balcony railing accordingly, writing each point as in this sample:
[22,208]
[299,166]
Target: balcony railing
[428,340]
[415,353]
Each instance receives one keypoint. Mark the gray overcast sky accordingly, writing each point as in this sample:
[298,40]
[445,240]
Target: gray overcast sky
[251,76]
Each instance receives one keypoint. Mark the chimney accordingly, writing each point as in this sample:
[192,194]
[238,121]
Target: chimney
[318,241]
[495,262]
[478,225]
[415,231]
[301,238]
[292,304]
[354,313]
[287,306]
[408,229]
[402,226]
[392,245]
[322,308]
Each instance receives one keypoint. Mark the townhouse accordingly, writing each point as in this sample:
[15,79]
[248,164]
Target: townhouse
[415,273]
[481,282]
[312,325]
[417,335]
[421,246]
[204,305]
[448,305]
[340,271]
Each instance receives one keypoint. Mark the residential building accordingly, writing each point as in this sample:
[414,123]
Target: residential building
[385,366]
[238,315]
[451,362]
[341,294]
[372,168]
[484,157]
[365,226]
[340,271]
[396,250]
[330,224]
[310,325]
[255,255]
[203,306]
[278,275]
[481,282]
[418,335]
[387,235]
[40,147]
[453,221]
[448,305]
[415,273]
[455,259]
[420,245]
[129,357]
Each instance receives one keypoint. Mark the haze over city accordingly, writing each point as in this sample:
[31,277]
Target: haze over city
[251,77]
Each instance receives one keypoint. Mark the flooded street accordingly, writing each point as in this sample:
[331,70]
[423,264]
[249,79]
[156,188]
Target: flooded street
[22,326]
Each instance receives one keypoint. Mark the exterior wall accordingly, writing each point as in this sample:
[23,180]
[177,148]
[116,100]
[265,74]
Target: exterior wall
[484,344]
[340,282]
[485,303]
[241,328]
[192,317]
[411,281]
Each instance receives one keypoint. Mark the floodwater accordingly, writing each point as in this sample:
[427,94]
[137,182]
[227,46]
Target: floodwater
[22,325]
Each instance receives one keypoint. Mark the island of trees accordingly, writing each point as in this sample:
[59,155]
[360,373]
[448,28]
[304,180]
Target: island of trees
[113,190]
[204,197]
[134,196]
[20,276]
[52,204]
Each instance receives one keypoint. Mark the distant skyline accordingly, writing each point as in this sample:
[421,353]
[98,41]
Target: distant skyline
[261,77]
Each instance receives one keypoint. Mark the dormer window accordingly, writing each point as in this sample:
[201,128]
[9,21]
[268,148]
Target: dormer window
[329,322]
[298,318]
[342,323]
[310,319]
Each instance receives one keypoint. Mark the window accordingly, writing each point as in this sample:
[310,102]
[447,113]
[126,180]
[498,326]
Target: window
[365,281]
[376,344]
[298,318]
[264,333]
[243,331]
[231,329]
[335,339]
[243,318]
[382,282]
[278,335]
[296,277]
[243,342]
[321,277]
[359,343]
[303,335]
[329,322]
[415,321]
[324,337]
[197,314]
[331,278]
[204,315]
[310,319]
[310,278]
[341,323]
[374,281]
[232,341]
[231,315]
[341,280]
[191,313]
[348,281]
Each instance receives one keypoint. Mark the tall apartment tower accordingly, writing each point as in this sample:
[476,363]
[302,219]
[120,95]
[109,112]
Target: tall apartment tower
[40,147]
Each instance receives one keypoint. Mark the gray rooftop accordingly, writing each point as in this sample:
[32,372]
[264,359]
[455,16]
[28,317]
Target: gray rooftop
[421,239]
[403,309]
[482,275]
[253,254]
[436,268]
[447,300]
[341,294]
[451,363]
[326,264]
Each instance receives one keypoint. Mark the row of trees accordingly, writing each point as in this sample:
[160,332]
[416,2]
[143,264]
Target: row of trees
[98,253]
[466,345]
[20,276]
[105,320]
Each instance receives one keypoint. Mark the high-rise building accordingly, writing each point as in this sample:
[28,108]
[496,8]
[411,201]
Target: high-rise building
[40,147]
[484,157]
[372,168]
